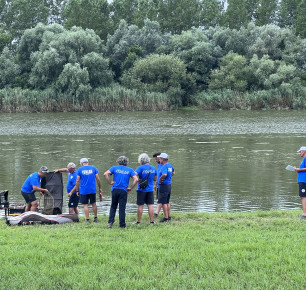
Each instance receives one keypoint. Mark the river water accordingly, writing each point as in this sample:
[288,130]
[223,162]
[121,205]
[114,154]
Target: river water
[224,160]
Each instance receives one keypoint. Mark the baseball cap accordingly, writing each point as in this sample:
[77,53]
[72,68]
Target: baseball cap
[163,155]
[84,160]
[303,148]
[44,169]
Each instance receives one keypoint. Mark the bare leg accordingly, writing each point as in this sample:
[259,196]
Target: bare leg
[151,212]
[71,210]
[86,211]
[28,207]
[95,209]
[304,205]
[139,213]
[168,207]
[34,205]
[165,210]
[76,210]
[159,206]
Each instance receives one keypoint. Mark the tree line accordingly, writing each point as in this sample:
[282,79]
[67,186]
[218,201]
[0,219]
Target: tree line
[152,55]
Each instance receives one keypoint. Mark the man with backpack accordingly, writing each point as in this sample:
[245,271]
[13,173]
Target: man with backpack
[147,176]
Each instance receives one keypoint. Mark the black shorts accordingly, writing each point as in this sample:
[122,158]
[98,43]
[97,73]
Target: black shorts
[84,198]
[164,193]
[302,189]
[29,197]
[74,200]
[145,198]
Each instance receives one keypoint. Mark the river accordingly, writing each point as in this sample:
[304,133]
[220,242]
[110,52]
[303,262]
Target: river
[224,160]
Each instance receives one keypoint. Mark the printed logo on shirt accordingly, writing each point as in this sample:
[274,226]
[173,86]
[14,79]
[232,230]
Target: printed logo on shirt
[87,172]
[169,169]
[122,171]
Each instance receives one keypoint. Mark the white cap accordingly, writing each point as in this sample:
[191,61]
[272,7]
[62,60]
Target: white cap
[83,160]
[303,148]
[163,155]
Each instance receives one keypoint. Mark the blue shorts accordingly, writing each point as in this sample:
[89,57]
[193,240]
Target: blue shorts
[84,198]
[302,189]
[145,198]
[73,200]
[29,197]
[164,193]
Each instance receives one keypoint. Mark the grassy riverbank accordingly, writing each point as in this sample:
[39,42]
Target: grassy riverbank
[257,250]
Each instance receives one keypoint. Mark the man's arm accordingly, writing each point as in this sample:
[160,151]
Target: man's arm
[99,183]
[106,175]
[162,178]
[36,188]
[135,181]
[76,187]
[60,170]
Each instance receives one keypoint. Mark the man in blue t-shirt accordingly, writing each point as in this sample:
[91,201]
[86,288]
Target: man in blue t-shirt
[164,177]
[159,205]
[120,188]
[87,175]
[302,180]
[31,185]
[145,195]
[72,177]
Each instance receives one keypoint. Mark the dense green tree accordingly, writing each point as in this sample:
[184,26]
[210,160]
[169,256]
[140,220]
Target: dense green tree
[199,55]
[210,13]
[301,56]
[287,12]
[8,68]
[175,16]
[92,14]
[98,69]
[266,12]
[158,73]
[5,40]
[233,73]
[149,38]
[78,47]
[19,15]
[236,14]
[269,40]
[74,81]
[133,11]
[30,43]
[301,19]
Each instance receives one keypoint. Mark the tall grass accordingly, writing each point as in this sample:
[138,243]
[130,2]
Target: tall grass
[115,98]
[258,250]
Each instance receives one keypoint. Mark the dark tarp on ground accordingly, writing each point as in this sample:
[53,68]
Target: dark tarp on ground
[54,183]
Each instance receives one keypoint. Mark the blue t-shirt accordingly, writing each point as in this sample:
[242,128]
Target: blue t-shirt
[72,177]
[166,169]
[33,179]
[87,175]
[122,176]
[159,166]
[302,174]
[143,172]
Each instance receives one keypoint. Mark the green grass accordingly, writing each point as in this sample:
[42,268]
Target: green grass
[257,250]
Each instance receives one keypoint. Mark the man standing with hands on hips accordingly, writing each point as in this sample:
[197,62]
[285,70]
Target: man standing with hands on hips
[86,187]
[302,180]
[164,179]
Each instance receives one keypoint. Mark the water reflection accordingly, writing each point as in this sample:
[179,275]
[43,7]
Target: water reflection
[224,161]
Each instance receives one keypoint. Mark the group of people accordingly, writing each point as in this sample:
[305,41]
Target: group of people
[81,187]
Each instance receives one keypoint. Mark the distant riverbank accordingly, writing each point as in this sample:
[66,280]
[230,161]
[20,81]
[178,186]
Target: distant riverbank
[261,249]
[117,98]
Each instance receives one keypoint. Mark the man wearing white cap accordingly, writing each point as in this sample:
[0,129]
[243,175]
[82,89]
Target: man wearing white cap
[302,180]
[164,179]
[86,187]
